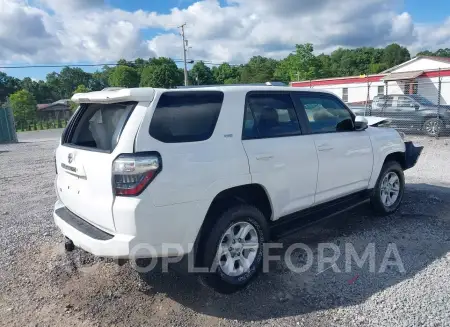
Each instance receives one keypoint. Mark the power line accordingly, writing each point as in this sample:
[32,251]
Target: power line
[71,65]
[106,64]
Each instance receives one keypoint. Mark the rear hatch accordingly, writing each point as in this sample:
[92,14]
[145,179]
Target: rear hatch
[85,158]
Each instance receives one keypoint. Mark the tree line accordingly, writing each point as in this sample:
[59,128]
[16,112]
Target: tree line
[300,64]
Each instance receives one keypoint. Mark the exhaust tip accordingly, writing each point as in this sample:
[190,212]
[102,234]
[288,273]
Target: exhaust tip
[68,245]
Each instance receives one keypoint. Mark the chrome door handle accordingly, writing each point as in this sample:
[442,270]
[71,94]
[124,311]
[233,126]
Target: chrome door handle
[324,147]
[264,157]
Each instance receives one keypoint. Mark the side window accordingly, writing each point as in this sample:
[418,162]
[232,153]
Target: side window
[326,114]
[404,102]
[269,115]
[189,116]
[385,101]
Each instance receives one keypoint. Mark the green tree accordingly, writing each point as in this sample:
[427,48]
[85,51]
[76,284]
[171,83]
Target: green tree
[24,106]
[100,79]
[439,53]
[226,73]
[43,93]
[54,83]
[200,74]
[325,65]
[124,76]
[303,65]
[80,89]
[71,78]
[161,72]
[258,70]
[123,62]
[8,85]
[425,53]
[63,84]
[443,53]
[394,55]
[140,64]
[40,90]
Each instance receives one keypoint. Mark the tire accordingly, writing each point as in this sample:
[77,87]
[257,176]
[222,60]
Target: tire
[222,234]
[391,171]
[433,127]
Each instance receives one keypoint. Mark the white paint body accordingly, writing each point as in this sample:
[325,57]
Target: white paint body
[296,172]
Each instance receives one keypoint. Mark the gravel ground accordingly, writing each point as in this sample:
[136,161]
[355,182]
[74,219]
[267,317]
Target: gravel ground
[42,286]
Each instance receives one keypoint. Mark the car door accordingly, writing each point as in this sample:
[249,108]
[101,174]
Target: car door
[345,155]
[405,116]
[382,105]
[281,158]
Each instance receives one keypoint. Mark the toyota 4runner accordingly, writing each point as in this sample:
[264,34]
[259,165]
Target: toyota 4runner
[219,171]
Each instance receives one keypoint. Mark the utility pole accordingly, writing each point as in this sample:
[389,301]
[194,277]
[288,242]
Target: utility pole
[184,54]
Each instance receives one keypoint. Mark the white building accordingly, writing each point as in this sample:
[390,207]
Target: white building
[427,76]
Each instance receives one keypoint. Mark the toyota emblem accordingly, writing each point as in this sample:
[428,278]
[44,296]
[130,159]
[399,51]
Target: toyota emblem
[70,158]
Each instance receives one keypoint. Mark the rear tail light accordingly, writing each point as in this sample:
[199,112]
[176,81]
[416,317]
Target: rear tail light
[133,172]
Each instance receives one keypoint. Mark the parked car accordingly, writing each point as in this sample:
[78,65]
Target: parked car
[218,171]
[360,110]
[412,113]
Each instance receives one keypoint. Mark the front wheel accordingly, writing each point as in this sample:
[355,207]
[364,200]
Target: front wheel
[433,127]
[233,250]
[388,192]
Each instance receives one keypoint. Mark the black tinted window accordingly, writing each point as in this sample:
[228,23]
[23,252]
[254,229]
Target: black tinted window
[186,116]
[325,113]
[269,115]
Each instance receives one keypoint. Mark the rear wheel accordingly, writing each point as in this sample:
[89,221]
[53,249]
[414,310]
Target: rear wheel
[433,127]
[233,250]
[388,192]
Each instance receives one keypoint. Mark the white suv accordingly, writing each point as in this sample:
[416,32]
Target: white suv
[217,171]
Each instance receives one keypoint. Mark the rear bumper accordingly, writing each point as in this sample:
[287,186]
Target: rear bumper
[91,238]
[412,154]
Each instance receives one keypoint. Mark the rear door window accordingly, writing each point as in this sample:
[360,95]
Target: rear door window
[269,115]
[405,102]
[98,126]
[189,116]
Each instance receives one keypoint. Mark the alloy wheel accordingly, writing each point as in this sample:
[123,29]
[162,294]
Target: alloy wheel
[237,249]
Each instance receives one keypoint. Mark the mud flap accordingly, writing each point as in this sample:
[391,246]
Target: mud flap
[412,154]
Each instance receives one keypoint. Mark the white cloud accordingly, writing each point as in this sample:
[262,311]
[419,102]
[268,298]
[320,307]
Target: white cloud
[70,5]
[23,34]
[433,36]
[89,30]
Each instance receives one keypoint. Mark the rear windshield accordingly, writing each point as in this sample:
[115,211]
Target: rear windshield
[186,116]
[98,126]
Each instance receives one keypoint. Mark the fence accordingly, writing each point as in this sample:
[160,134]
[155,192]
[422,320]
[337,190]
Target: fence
[41,124]
[418,106]
[7,128]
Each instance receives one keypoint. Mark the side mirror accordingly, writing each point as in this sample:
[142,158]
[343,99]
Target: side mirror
[361,123]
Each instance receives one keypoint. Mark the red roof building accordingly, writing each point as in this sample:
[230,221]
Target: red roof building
[425,75]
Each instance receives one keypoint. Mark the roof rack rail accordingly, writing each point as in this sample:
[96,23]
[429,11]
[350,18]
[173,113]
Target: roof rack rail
[249,84]
[112,88]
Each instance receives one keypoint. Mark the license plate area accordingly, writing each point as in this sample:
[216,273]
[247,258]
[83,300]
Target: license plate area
[71,184]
